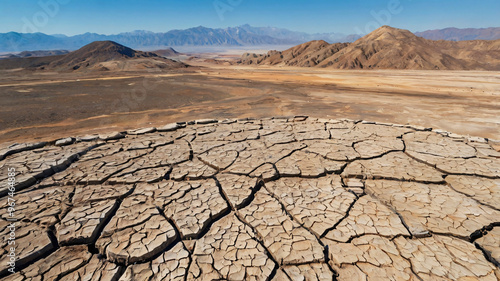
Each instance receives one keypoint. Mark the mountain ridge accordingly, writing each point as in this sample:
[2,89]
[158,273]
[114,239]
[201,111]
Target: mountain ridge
[464,34]
[387,48]
[244,35]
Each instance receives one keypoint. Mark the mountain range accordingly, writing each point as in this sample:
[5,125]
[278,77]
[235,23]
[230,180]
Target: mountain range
[387,48]
[384,48]
[244,35]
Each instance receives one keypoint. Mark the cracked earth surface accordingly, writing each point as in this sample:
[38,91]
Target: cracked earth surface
[289,198]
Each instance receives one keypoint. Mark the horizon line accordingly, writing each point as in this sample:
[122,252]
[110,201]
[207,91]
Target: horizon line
[215,28]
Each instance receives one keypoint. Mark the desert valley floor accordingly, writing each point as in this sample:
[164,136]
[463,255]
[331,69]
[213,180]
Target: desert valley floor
[186,175]
[47,106]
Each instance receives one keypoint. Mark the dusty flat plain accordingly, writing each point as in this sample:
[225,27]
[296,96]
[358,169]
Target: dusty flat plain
[48,106]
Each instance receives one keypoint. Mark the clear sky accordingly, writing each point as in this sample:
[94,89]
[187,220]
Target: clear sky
[72,17]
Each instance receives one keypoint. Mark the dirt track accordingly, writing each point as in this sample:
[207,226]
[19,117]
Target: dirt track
[49,106]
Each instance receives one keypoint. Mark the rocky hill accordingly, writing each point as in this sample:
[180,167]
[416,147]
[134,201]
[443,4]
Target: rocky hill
[169,52]
[305,55]
[99,55]
[387,48]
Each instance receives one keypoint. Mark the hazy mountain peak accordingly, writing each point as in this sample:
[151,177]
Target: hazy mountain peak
[137,32]
[457,34]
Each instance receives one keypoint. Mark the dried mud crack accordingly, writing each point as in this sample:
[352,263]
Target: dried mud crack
[289,198]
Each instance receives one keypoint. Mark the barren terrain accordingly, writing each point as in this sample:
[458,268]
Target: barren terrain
[387,48]
[111,185]
[46,106]
[276,199]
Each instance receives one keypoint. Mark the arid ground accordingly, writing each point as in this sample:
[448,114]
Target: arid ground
[280,199]
[294,198]
[48,106]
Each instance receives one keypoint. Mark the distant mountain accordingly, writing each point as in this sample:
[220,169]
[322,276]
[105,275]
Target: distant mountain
[29,54]
[387,48]
[456,34]
[98,55]
[17,42]
[245,35]
[282,33]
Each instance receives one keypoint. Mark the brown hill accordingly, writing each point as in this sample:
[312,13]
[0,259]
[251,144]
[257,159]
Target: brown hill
[389,48]
[304,55]
[99,55]
[168,53]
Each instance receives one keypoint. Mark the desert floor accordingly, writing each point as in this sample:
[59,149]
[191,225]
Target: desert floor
[264,199]
[47,106]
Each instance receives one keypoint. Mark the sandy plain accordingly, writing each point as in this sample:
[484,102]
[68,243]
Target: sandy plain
[48,106]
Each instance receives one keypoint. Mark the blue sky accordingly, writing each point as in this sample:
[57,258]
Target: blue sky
[72,17]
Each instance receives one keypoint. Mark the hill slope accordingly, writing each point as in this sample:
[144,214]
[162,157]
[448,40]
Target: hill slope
[304,55]
[169,52]
[389,48]
[99,55]
[392,48]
